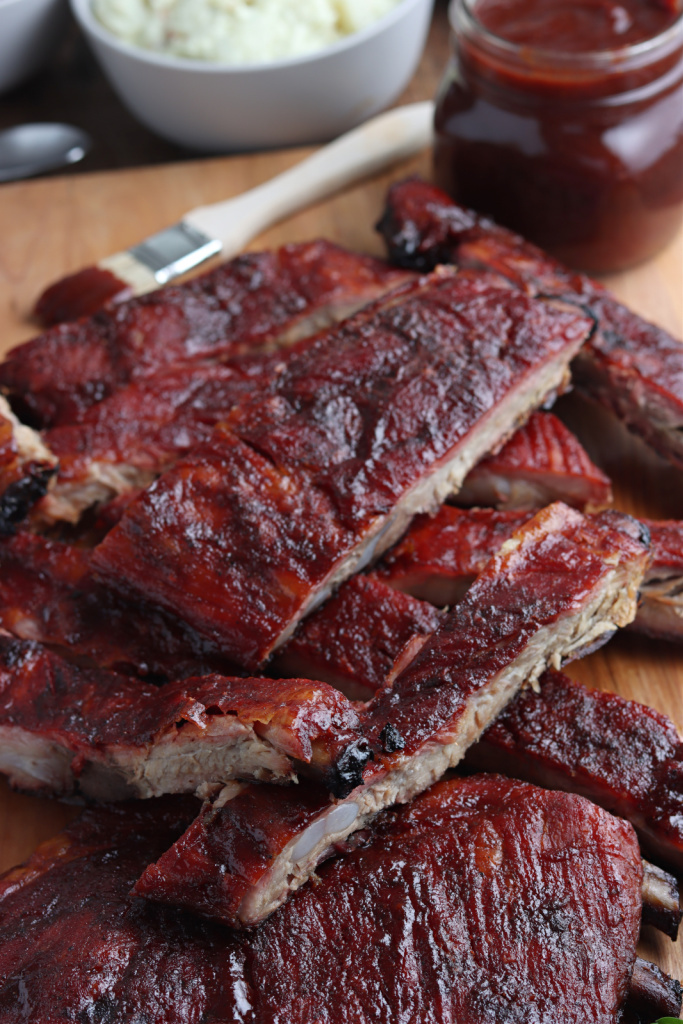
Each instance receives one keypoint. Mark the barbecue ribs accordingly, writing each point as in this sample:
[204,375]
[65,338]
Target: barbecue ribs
[631,366]
[365,426]
[65,729]
[399,928]
[26,469]
[255,301]
[562,584]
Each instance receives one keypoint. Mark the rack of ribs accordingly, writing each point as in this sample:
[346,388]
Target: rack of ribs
[256,301]
[365,426]
[66,729]
[26,469]
[399,926]
[661,610]
[631,366]
[560,586]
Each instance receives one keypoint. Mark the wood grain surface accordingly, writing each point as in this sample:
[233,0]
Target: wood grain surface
[49,228]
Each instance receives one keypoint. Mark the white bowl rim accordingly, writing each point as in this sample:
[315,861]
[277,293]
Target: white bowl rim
[82,10]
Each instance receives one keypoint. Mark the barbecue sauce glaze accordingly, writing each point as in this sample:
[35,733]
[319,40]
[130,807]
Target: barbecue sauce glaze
[564,121]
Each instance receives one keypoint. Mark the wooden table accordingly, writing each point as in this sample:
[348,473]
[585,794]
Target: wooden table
[55,225]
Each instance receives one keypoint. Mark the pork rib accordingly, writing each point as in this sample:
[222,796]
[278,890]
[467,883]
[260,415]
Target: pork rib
[661,610]
[629,365]
[27,467]
[623,755]
[353,641]
[65,729]
[48,594]
[398,929]
[254,301]
[562,584]
[541,463]
[365,426]
[440,556]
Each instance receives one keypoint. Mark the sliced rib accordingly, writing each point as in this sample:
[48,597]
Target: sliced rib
[66,729]
[661,900]
[365,426]
[27,467]
[542,462]
[400,928]
[652,994]
[439,556]
[632,367]
[123,443]
[561,585]
[254,301]
[623,755]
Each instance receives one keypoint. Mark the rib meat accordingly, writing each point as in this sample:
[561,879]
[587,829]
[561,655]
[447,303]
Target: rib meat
[542,462]
[400,928]
[624,756]
[65,729]
[123,443]
[661,610]
[254,301]
[26,469]
[440,556]
[365,426]
[561,585]
[629,365]
[353,641]
[48,594]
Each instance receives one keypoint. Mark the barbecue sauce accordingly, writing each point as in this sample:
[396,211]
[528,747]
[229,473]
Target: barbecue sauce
[564,121]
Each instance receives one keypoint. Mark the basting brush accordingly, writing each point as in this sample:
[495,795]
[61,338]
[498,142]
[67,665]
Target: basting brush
[225,228]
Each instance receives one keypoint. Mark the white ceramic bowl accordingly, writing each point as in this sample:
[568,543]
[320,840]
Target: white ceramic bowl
[30,30]
[220,107]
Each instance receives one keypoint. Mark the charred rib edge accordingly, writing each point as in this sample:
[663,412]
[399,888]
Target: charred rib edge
[652,993]
[612,605]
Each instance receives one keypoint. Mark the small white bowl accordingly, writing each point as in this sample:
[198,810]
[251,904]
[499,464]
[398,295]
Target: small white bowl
[30,30]
[220,107]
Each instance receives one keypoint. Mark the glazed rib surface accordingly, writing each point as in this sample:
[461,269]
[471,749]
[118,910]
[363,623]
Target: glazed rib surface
[254,301]
[632,367]
[66,729]
[564,583]
[365,426]
[397,928]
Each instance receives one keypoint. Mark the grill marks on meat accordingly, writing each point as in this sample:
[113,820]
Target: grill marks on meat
[542,462]
[26,469]
[631,366]
[254,301]
[563,583]
[366,425]
[624,756]
[399,927]
[65,729]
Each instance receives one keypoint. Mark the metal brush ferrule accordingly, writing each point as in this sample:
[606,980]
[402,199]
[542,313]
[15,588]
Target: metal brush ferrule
[174,251]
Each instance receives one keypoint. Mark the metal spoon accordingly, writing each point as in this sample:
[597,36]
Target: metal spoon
[32,149]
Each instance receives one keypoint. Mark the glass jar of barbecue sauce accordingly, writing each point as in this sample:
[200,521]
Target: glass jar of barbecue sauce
[563,120]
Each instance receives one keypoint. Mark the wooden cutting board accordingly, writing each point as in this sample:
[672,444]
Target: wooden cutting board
[53,227]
